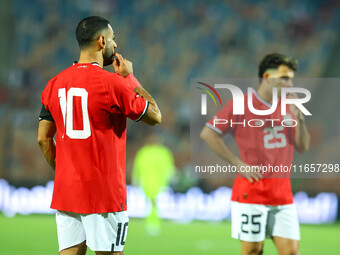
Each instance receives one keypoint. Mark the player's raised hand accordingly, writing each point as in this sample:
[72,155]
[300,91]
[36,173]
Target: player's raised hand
[250,172]
[122,65]
[293,109]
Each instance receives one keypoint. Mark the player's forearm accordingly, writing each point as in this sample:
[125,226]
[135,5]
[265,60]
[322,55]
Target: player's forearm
[153,115]
[143,93]
[302,137]
[217,144]
[48,147]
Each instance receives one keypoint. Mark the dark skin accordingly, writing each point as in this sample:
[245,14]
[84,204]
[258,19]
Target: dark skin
[105,46]
[96,53]
[102,51]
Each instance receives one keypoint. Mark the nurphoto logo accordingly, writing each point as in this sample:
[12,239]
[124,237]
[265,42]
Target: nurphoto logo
[239,104]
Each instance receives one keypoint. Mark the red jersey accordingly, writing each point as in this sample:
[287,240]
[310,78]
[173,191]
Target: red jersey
[268,144]
[89,106]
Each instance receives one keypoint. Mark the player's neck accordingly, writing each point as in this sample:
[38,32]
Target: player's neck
[263,93]
[87,56]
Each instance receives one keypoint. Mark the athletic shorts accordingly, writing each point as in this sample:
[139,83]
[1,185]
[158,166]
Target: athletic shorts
[102,231]
[254,222]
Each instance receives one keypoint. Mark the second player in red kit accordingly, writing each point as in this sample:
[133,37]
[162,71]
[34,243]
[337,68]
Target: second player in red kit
[262,205]
[269,144]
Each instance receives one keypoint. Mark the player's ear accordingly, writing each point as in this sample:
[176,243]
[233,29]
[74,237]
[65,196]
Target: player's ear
[265,76]
[102,41]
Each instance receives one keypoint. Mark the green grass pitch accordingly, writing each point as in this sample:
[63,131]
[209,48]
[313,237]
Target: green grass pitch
[36,234]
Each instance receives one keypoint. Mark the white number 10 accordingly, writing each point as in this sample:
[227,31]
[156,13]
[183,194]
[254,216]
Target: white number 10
[67,112]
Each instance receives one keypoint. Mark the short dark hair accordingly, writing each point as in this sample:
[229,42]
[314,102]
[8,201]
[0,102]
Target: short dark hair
[274,60]
[88,28]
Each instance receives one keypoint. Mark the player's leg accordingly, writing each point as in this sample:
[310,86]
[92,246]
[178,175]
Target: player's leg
[79,249]
[153,221]
[251,248]
[286,246]
[106,232]
[248,222]
[286,231]
[71,234]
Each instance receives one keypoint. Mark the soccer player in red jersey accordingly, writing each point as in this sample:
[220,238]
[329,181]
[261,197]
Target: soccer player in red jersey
[262,204]
[87,107]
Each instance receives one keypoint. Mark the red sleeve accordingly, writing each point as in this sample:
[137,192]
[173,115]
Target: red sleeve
[124,99]
[132,80]
[220,123]
[46,94]
[43,98]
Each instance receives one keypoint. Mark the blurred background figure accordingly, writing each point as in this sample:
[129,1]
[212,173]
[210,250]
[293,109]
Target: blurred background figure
[152,170]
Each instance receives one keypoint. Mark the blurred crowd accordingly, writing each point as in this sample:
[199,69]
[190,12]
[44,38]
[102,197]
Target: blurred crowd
[169,42]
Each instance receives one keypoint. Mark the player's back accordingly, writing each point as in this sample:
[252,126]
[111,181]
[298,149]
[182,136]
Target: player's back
[78,102]
[88,106]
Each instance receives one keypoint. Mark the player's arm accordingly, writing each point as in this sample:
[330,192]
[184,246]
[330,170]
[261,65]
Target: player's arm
[216,143]
[152,115]
[302,136]
[46,132]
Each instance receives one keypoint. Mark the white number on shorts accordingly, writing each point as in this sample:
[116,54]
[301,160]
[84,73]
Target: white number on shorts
[66,105]
[273,133]
[121,237]
[253,221]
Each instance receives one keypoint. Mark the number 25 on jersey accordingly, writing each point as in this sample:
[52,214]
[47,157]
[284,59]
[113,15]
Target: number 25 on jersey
[274,137]
[66,105]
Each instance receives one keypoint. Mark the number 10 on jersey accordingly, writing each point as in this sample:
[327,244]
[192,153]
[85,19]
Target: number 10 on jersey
[66,105]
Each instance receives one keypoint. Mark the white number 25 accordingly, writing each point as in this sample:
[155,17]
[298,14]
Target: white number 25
[273,133]
[67,112]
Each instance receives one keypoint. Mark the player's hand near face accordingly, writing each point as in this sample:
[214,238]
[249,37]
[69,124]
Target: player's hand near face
[153,115]
[302,136]
[122,65]
[294,110]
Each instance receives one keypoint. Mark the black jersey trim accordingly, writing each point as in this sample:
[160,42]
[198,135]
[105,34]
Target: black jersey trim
[45,115]
[143,113]
[93,63]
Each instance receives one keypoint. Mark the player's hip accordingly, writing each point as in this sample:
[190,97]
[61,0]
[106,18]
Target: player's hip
[102,231]
[255,222]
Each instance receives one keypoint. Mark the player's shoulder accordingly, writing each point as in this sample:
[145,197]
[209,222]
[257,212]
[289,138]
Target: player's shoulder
[51,83]
[228,105]
[59,76]
[114,81]
[66,71]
